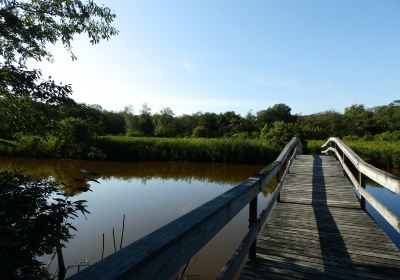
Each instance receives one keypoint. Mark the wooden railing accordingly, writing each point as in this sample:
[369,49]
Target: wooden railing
[160,254]
[350,160]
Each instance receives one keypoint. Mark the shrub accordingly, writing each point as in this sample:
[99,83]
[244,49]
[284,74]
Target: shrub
[200,131]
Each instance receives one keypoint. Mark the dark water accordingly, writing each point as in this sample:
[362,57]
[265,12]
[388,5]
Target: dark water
[390,200]
[150,194]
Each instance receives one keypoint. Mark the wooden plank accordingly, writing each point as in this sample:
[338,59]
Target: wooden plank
[319,231]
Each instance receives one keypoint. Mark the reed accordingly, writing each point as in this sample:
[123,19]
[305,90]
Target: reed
[187,149]
[122,148]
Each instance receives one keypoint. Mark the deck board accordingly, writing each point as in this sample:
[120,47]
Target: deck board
[319,231]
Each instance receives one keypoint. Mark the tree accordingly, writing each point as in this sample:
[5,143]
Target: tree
[358,120]
[328,123]
[165,123]
[279,133]
[26,30]
[30,225]
[278,112]
[145,125]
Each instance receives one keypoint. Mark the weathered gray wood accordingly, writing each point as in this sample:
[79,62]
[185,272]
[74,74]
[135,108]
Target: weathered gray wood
[389,216]
[319,231]
[383,178]
[231,267]
[161,253]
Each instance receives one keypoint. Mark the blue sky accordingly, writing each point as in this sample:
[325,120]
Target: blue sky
[239,55]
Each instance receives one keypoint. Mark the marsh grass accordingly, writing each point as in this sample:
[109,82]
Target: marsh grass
[380,153]
[124,148]
[187,149]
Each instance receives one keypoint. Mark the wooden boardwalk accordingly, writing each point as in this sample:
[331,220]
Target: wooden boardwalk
[316,227]
[319,231]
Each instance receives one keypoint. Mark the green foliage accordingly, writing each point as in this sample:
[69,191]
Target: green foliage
[388,136]
[35,218]
[280,133]
[328,123]
[73,137]
[313,146]
[187,149]
[379,153]
[200,131]
[165,123]
[278,112]
[358,120]
[26,30]
[233,150]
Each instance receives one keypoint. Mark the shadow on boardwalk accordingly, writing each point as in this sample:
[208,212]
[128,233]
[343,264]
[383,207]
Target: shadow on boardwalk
[333,247]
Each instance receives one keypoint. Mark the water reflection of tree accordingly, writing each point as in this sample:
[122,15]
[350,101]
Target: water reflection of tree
[34,221]
[68,173]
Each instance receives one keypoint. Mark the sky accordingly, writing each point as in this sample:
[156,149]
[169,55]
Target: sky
[217,56]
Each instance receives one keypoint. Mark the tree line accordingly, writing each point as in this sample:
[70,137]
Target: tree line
[19,116]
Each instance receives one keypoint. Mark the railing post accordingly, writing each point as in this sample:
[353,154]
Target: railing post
[278,179]
[344,164]
[252,220]
[361,180]
[287,165]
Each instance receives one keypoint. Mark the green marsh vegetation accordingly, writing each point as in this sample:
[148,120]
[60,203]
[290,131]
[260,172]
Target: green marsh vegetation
[87,131]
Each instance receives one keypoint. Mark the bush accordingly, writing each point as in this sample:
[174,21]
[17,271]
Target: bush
[279,134]
[200,131]
[73,137]
[35,219]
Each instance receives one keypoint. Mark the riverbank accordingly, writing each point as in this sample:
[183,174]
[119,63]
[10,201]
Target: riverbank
[229,150]
[383,154]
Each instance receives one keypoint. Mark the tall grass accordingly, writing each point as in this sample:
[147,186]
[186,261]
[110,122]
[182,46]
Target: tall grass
[123,148]
[313,146]
[187,149]
[382,153]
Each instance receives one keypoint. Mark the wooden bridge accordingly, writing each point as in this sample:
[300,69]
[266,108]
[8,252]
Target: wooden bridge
[316,228]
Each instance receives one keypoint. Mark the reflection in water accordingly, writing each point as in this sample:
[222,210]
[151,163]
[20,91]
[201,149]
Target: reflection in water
[390,200]
[150,195]
[69,172]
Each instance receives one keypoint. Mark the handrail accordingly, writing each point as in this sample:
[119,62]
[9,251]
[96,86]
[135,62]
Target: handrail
[229,269]
[161,253]
[383,178]
[367,170]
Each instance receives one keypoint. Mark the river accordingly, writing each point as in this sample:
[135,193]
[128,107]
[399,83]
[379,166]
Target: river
[150,195]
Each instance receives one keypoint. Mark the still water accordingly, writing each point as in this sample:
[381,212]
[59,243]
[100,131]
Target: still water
[152,194]
[388,199]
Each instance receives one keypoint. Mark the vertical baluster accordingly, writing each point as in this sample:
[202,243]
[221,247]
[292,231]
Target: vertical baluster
[252,220]
[278,179]
[361,180]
